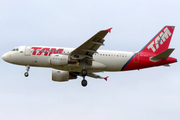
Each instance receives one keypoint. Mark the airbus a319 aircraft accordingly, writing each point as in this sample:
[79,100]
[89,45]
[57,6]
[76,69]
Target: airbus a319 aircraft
[86,59]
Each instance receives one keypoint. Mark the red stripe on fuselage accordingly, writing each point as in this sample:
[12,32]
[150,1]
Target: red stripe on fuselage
[142,60]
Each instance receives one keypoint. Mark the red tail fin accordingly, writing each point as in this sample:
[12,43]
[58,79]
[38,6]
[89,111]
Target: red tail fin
[160,42]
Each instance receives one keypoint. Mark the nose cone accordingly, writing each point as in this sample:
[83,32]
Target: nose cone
[9,57]
[4,57]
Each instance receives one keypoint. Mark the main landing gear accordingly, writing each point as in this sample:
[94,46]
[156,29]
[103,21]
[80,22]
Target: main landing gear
[84,82]
[26,74]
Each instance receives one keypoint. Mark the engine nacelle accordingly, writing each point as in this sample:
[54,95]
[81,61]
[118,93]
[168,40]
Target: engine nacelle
[58,59]
[60,76]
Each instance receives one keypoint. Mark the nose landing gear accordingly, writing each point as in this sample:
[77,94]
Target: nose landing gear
[26,74]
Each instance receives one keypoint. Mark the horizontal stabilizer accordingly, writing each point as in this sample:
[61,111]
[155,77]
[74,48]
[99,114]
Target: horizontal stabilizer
[163,55]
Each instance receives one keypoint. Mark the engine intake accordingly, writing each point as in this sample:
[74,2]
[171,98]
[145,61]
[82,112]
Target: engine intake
[60,76]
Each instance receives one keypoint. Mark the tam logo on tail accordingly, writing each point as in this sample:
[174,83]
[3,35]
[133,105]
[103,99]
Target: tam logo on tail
[160,42]
[161,38]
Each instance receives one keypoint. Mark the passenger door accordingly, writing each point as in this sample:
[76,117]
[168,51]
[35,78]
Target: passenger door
[27,51]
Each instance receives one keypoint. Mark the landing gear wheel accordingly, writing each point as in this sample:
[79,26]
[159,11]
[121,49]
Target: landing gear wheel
[84,72]
[84,83]
[26,74]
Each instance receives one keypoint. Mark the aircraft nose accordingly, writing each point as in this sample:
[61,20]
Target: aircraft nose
[4,57]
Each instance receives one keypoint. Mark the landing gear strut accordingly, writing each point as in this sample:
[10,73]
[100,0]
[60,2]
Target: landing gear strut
[84,82]
[26,74]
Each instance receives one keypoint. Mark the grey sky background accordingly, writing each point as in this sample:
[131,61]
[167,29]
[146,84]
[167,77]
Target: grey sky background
[148,94]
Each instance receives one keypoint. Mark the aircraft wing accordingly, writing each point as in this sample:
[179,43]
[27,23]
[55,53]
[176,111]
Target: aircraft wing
[87,49]
[90,75]
[96,76]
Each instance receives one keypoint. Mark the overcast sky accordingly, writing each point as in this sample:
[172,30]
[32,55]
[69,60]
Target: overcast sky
[148,94]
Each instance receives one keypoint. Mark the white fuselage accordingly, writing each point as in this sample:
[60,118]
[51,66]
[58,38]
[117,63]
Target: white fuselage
[25,55]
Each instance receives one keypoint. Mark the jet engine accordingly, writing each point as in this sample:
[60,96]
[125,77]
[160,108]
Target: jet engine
[60,76]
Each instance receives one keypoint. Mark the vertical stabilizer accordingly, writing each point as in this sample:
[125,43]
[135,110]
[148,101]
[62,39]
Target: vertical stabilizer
[160,42]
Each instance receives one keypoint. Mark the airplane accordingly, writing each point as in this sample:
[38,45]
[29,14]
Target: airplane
[86,59]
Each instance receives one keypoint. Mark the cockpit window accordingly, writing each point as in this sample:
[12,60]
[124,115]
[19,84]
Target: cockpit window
[15,49]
